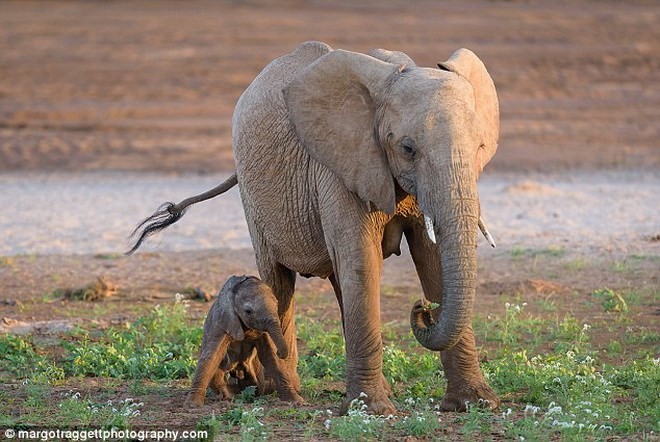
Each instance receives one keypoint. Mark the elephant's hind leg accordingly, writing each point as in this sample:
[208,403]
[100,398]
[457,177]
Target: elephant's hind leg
[220,385]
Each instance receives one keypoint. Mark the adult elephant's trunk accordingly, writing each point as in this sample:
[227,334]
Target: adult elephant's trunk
[455,214]
[274,330]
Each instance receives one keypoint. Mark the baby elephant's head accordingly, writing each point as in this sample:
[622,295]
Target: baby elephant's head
[249,303]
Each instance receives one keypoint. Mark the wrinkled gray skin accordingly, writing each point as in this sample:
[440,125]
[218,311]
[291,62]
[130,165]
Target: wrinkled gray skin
[338,155]
[239,321]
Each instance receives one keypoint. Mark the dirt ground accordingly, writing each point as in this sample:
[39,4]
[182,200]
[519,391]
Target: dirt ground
[150,86]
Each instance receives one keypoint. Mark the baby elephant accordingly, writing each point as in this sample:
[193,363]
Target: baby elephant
[240,320]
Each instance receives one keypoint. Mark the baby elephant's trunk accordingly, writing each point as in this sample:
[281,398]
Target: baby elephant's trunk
[274,330]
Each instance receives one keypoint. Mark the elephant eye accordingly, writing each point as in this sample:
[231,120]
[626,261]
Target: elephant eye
[248,311]
[408,147]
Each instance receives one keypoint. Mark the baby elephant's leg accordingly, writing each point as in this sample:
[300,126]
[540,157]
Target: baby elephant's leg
[212,352]
[253,374]
[284,381]
[220,386]
[239,364]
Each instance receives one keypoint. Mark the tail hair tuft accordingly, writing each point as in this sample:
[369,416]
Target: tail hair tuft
[166,215]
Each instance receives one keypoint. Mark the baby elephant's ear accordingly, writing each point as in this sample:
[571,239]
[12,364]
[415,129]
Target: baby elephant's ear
[227,317]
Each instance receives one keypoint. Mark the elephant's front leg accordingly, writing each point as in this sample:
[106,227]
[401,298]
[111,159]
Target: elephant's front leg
[213,350]
[282,378]
[337,289]
[358,270]
[282,281]
[465,381]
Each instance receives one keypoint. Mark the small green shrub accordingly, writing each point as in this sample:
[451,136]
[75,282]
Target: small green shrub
[249,422]
[324,355]
[612,301]
[75,411]
[419,423]
[160,345]
[358,424]
[476,420]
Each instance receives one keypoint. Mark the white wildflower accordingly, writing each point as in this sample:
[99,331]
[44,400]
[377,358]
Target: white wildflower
[531,409]
[554,409]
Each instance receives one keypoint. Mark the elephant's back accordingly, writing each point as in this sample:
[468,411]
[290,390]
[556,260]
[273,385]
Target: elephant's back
[279,72]
[260,113]
[276,175]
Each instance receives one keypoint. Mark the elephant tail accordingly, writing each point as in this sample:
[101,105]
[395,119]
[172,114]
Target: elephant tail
[169,213]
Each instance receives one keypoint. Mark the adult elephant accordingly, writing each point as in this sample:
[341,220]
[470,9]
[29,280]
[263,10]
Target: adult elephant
[338,155]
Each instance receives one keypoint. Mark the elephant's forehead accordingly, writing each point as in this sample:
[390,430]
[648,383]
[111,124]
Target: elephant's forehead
[425,88]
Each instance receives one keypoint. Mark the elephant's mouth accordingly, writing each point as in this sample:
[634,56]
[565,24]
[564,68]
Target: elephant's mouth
[430,230]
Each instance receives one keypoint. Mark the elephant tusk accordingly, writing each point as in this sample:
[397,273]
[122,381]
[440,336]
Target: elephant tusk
[486,233]
[430,231]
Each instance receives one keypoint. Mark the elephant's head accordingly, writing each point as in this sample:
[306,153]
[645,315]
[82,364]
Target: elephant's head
[245,302]
[379,123]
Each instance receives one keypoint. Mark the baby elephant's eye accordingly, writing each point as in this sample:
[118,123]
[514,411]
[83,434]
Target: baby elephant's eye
[248,311]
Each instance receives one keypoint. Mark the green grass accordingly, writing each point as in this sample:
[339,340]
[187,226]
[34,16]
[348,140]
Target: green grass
[576,264]
[110,256]
[555,386]
[611,300]
[76,411]
[520,252]
[158,346]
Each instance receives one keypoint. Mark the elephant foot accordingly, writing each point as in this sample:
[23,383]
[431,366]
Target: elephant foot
[194,400]
[458,398]
[295,379]
[386,386]
[291,397]
[377,403]
[226,391]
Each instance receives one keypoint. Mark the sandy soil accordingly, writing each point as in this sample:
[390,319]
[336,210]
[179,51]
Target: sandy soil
[108,109]
[93,213]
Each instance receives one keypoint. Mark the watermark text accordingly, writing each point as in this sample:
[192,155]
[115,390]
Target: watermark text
[99,434]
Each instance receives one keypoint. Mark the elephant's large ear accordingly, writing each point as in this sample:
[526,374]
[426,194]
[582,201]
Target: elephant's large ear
[332,105]
[227,317]
[466,64]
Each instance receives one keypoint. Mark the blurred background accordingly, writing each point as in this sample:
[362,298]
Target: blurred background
[151,86]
